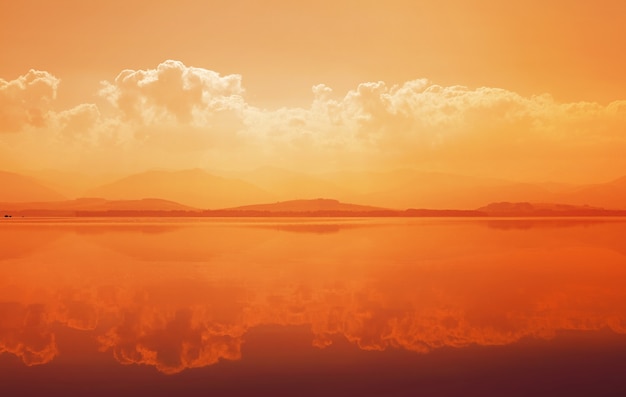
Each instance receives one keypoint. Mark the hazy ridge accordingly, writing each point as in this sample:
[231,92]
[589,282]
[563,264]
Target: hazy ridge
[263,188]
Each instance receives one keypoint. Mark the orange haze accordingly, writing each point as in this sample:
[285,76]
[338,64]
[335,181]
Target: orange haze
[530,91]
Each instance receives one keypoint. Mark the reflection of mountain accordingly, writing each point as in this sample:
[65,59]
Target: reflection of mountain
[417,286]
[19,188]
[20,240]
[174,244]
[318,228]
[191,187]
[515,223]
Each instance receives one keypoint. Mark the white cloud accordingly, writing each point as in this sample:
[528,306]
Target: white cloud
[195,116]
[173,93]
[26,100]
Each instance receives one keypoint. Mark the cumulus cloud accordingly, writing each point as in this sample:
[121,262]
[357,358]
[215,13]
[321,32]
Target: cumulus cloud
[421,124]
[179,116]
[26,100]
[173,92]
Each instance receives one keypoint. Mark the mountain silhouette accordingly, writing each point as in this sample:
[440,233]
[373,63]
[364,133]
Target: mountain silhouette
[20,188]
[75,207]
[71,184]
[609,195]
[314,205]
[196,188]
[396,189]
[525,209]
[291,185]
[407,188]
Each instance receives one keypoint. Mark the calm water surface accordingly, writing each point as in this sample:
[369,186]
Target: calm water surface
[297,307]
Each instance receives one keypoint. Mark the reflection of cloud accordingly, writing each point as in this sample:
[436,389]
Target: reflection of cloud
[425,330]
[402,287]
[172,338]
[25,332]
[173,341]
[176,325]
[77,309]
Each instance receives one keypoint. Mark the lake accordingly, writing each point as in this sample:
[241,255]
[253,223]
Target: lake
[313,307]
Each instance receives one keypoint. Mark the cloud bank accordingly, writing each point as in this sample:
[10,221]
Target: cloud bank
[25,101]
[179,116]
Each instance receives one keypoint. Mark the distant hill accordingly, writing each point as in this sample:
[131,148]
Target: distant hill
[97,207]
[334,208]
[72,184]
[19,188]
[92,205]
[195,188]
[291,185]
[609,195]
[525,209]
[314,205]
[396,189]
[407,188]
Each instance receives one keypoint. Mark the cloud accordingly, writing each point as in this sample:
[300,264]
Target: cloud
[424,125]
[180,116]
[26,100]
[172,92]
[373,114]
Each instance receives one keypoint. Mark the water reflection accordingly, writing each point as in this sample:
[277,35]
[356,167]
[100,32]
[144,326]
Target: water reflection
[187,294]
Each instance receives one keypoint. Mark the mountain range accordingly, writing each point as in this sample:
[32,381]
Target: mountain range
[21,188]
[398,189]
[194,187]
[307,205]
[98,204]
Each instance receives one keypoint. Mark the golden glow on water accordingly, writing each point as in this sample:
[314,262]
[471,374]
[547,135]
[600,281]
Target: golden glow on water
[178,295]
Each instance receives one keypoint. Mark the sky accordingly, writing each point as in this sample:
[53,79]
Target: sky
[529,91]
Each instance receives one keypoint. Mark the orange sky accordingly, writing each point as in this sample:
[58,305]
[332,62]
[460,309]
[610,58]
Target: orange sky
[529,91]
